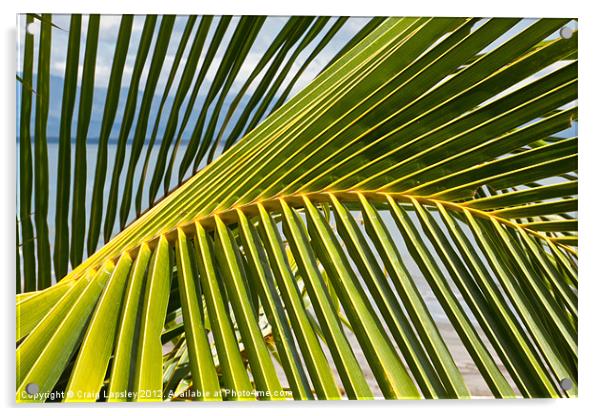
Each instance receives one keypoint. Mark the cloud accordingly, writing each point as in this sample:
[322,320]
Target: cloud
[109,28]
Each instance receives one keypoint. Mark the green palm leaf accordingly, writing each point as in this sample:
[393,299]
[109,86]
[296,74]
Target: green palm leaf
[426,168]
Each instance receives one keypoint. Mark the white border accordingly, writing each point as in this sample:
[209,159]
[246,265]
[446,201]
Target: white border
[590,152]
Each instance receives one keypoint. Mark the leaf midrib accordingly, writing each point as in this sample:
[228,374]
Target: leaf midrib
[230,216]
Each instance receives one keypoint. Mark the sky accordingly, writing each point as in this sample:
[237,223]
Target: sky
[109,27]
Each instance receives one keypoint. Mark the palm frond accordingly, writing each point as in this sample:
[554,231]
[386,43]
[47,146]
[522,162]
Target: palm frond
[82,211]
[259,279]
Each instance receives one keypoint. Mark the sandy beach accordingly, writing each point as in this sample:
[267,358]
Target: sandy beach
[473,379]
